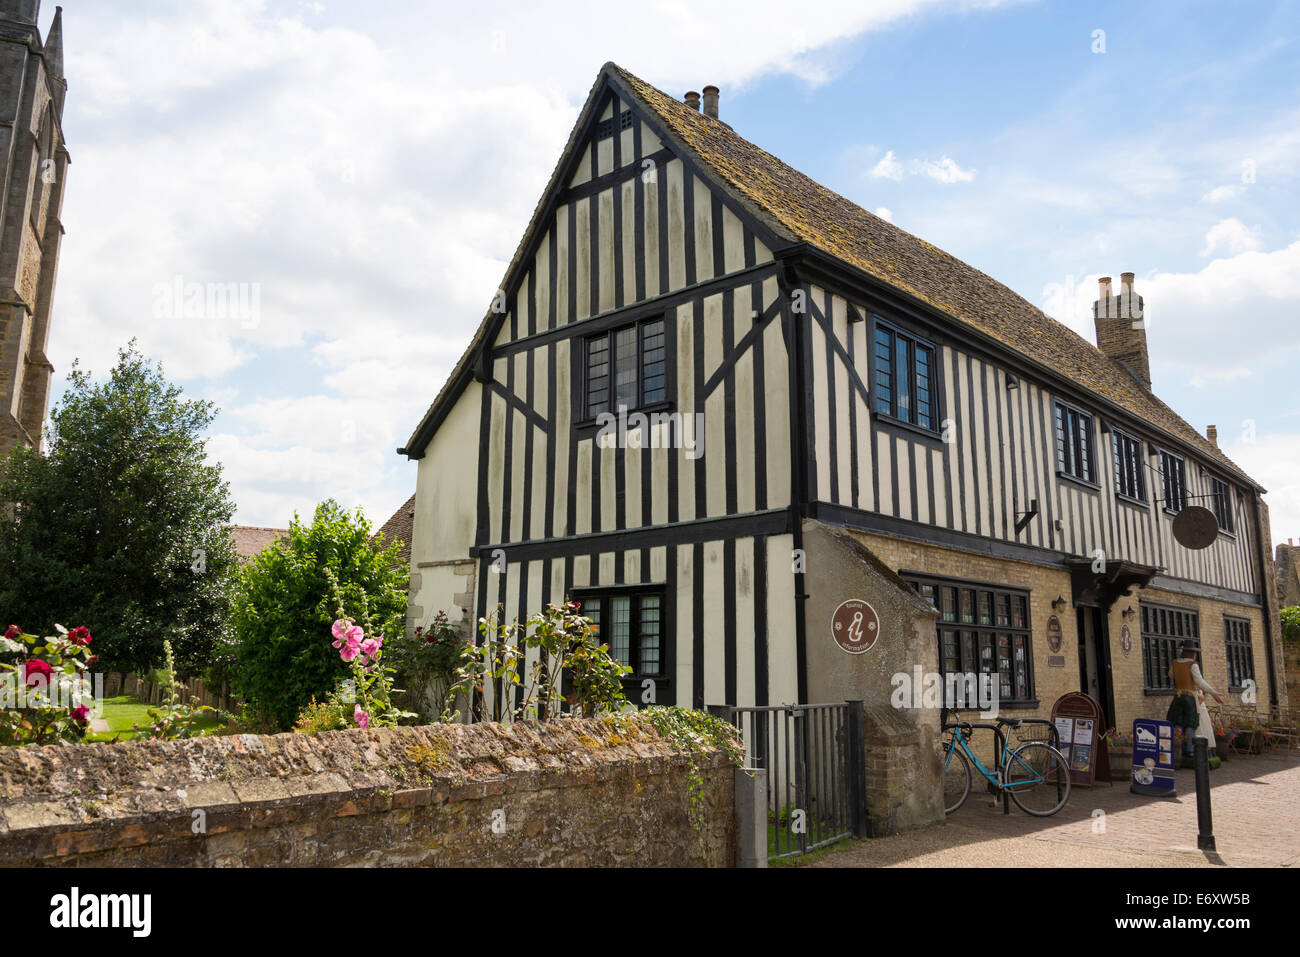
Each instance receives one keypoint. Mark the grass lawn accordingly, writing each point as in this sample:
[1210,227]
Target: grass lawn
[125,711]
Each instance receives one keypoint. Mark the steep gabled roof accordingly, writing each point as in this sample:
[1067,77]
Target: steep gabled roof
[251,539]
[399,528]
[799,210]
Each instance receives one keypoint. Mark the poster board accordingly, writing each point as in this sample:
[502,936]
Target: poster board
[1079,726]
[1153,758]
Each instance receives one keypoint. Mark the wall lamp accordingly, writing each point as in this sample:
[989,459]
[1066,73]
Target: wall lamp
[1059,604]
[1129,612]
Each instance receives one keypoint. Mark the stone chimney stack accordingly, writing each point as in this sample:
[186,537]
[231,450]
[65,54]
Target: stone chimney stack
[711,101]
[1121,332]
[692,99]
[1212,433]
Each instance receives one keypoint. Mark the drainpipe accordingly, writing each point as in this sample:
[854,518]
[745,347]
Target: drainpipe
[1263,545]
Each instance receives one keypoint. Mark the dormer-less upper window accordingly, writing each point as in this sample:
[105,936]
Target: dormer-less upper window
[1221,501]
[905,378]
[1130,477]
[1074,456]
[1173,474]
[627,368]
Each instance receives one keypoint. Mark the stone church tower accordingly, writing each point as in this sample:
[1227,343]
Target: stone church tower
[35,162]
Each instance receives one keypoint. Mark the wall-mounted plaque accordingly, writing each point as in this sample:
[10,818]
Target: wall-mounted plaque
[1054,634]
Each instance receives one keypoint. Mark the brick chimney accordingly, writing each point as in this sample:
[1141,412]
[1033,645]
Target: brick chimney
[692,99]
[1121,333]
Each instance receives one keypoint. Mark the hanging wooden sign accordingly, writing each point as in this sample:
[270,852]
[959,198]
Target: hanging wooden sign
[1195,527]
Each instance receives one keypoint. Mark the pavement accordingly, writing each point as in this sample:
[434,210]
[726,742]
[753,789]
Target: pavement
[1256,818]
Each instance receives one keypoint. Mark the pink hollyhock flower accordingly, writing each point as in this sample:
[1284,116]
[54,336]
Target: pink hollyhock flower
[36,673]
[371,646]
[361,718]
[340,628]
[349,651]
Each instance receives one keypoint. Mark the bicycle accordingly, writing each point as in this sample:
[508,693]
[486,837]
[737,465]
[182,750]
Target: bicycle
[1034,774]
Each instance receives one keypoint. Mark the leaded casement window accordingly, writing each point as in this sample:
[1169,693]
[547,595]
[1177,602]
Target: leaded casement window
[904,373]
[1221,501]
[1074,443]
[1173,477]
[1130,468]
[625,367]
[1241,659]
[983,630]
[631,622]
[1164,628]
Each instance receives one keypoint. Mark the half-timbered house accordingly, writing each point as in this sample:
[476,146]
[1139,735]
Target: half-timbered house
[820,390]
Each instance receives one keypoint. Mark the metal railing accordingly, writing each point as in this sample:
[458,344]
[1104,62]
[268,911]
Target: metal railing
[814,761]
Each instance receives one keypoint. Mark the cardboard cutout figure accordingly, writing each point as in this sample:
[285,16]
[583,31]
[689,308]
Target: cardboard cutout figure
[1187,711]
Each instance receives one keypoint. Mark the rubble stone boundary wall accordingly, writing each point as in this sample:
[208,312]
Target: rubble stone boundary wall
[573,792]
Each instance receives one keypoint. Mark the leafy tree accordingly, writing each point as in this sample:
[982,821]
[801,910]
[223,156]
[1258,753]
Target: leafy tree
[288,597]
[1291,623]
[123,524]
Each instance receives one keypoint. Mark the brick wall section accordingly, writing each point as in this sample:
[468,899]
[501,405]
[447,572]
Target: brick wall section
[1046,584]
[575,792]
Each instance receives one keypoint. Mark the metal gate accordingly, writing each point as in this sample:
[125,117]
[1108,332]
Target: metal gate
[814,761]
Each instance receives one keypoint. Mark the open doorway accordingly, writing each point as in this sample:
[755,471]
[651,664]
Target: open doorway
[1094,661]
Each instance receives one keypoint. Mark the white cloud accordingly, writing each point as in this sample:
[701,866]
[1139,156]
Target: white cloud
[1231,236]
[1273,460]
[946,170]
[885,213]
[1221,193]
[888,168]
[373,193]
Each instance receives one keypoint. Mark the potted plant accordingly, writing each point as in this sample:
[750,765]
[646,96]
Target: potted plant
[1223,736]
[1250,738]
[1120,748]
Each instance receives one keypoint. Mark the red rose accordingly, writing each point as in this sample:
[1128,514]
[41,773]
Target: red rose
[12,632]
[92,661]
[80,714]
[80,635]
[38,668]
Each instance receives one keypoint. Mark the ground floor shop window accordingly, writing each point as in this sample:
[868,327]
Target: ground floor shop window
[1241,659]
[983,630]
[1164,628]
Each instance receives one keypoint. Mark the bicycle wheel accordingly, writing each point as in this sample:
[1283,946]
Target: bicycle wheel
[956,777]
[1037,777]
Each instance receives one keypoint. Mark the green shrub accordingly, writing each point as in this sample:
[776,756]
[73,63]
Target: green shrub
[289,596]
[1291,623]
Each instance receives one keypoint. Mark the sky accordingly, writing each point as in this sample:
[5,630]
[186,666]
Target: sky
[356,176]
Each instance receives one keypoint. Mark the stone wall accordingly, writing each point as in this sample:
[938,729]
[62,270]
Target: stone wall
[590,792]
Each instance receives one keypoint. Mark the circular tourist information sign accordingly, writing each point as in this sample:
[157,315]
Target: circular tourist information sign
[855,626]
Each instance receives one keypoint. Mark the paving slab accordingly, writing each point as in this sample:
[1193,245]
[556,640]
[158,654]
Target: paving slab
[1255,802]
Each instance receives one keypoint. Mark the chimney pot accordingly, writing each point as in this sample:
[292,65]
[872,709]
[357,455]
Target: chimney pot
[711,101]
[1104,287]
[1125,282]
[692,100]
